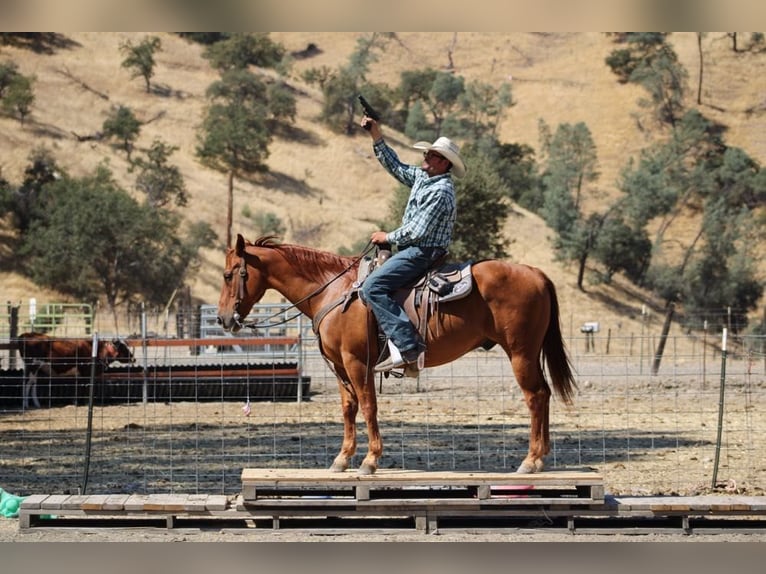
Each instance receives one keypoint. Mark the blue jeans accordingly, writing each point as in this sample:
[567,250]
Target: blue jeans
[400,270]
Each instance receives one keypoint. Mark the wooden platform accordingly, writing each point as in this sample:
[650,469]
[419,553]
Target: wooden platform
[274,486]
[317,499]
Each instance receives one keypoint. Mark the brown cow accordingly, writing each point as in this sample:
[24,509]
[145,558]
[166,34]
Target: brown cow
[52,355]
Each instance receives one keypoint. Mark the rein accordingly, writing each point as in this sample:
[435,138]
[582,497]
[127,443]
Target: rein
[266,321]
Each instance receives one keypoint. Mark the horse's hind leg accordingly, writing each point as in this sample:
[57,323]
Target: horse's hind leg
[537,396]
[349,407]
[29,391]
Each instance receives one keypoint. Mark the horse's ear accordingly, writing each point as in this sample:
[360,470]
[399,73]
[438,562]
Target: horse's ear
[240,246]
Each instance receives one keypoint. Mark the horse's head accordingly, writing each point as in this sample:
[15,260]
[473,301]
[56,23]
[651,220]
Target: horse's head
[116,350]
[124,354]
[243,286]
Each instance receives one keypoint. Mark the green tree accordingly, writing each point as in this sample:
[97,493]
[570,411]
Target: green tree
[93,240]
[161,181]
[640,48]
[417,127]
[24,202]
[8,71]
[19,96]
[340,87]
[695,172]
[619,246]
[444,97]
[482,107]
[121,124]
[265,223]
[140,58]
[483,207]
[234,136]
[281,102]
[666,81]
[570,168]
[237,51]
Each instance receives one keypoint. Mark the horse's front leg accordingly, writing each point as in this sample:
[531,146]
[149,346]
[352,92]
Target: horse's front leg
[363,381]
[349,407]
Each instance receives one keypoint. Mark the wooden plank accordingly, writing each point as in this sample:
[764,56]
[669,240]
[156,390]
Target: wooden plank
[171,502]
[217,502]
[94,502]
[54,501]
[195,503]
[115,501]
[74,502]
[136,502]
[693,504]
[33,501]
[387,477]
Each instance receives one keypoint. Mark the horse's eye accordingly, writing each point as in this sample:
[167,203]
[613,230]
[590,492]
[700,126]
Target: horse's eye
[227,276]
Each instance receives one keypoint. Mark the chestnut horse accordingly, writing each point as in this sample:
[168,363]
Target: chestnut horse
[512,305]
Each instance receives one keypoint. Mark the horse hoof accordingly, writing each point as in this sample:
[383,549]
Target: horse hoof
[366,470]
[335,467]
[528,468]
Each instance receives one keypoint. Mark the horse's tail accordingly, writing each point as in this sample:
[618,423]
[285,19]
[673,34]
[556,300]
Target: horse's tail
[555,353]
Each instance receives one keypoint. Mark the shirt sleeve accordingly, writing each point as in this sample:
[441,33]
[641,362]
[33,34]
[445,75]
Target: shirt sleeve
[388,158]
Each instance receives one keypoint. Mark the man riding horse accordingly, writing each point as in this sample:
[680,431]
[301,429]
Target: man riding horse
[422,240]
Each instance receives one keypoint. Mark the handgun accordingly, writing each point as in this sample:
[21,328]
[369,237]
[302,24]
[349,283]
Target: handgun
[369,111]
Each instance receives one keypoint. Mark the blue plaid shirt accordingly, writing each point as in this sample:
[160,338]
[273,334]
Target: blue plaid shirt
[431,208]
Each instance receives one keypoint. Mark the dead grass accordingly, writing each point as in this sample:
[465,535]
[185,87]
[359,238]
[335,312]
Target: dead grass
[328,187]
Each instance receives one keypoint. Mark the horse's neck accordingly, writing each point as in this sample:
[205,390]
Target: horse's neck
[308,295]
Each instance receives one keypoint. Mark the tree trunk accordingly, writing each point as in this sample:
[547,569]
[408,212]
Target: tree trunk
[581,272]
[663,338]
[230,209]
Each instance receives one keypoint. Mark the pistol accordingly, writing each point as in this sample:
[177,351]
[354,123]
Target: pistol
[369,111]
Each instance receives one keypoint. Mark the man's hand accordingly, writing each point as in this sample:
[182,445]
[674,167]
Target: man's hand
[379,237]
[372,127]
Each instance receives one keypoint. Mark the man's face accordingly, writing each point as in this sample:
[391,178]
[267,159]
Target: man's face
[434,163]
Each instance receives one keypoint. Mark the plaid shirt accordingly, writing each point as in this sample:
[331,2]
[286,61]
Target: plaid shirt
[431,208]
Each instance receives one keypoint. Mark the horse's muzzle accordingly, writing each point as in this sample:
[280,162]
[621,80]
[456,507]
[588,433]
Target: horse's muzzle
[234,325]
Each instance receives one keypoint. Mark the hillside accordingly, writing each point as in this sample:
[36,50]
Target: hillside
[327,187]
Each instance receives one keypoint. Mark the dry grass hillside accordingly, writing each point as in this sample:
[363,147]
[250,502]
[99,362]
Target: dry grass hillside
[327,187]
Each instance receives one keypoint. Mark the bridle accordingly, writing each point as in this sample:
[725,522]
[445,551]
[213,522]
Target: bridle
[237,317]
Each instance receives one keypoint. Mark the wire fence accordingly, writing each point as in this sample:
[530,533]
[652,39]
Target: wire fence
[646,434]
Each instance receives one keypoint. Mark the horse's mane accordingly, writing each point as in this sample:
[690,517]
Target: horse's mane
[308,262]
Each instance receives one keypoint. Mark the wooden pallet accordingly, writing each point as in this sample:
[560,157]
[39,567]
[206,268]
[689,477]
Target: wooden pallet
[613,514]
[40,509]
[265,486]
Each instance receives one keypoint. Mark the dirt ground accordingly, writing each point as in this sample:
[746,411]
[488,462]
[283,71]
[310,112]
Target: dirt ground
[9,532]
[646,437]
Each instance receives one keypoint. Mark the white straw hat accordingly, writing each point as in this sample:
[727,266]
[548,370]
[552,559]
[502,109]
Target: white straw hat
[448,149]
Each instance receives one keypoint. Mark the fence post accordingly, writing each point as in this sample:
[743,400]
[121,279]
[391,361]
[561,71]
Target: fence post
[720,410]
[89,431]
[704,355]
[145,390]
[13,312]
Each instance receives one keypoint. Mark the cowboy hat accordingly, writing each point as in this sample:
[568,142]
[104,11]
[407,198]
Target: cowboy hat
[448,149]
